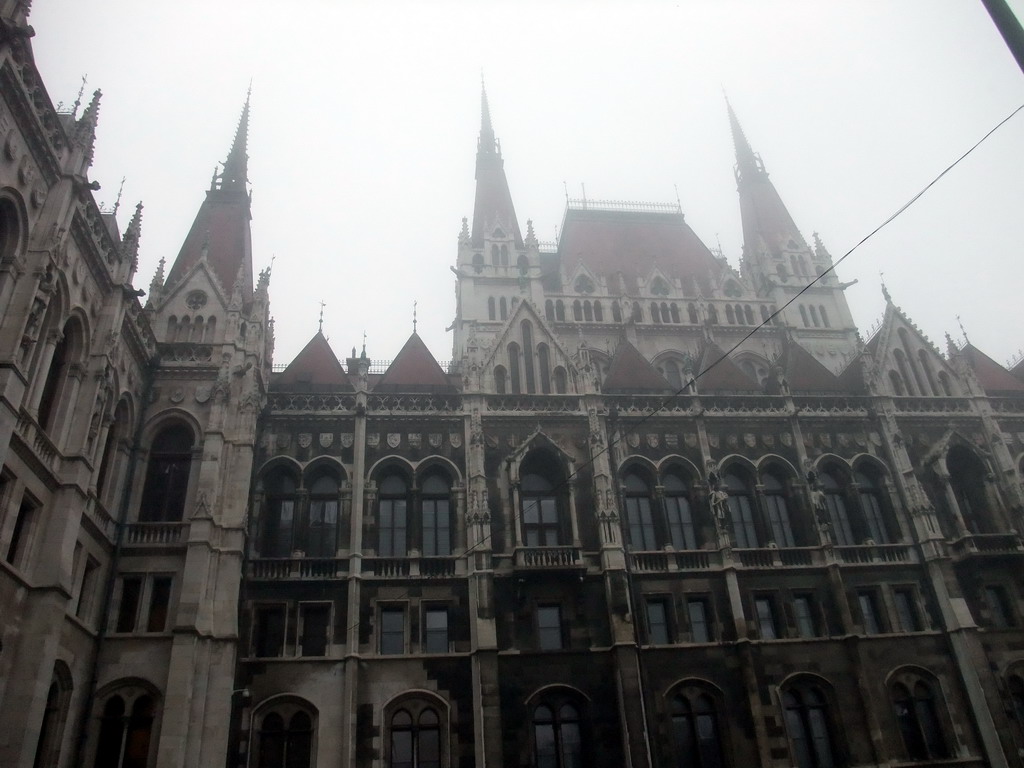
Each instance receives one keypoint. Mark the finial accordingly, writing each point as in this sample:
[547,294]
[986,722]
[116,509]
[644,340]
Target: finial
[678,202]
[363,353]
[566,187]
[464,232]
[117,203]
[414,317]
[962,330]
[885,291]
[531,237]
[322,305]
[78,99]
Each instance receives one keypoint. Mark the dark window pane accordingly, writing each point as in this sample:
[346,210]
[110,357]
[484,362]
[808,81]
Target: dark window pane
[436,632]
[803,611]
[392,630]
[268,631]
[697,611]
[315,628]
[159,600]
[657,622]
[549,625]
[765,618]
[131,592]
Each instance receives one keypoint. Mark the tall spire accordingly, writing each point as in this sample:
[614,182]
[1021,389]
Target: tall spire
[487,143]
[235,174]
[493,208]
[747,163]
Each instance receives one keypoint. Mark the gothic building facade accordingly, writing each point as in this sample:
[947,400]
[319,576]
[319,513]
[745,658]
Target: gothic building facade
[657,511]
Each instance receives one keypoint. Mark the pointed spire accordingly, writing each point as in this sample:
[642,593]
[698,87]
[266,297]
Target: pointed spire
[493,208]
[158,278]
[85,129]
[130,240]
[747,163]
[236,167]
[487,141]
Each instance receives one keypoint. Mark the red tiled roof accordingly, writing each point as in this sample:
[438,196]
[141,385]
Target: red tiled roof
[805,374]
[852,377]
[629,371]
[316,368]
[991,375]
[725,375]
[1018,370]
[221,227]
[414,370]
[634,243]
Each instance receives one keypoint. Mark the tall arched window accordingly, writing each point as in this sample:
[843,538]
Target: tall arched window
[598,312]
[167,474]
[528,370]
[435,516]
[682,530]
[577,310]
[495,256]
[967,479]
[51,731]
[491,313]
[674,312]
[712,314]
[392,517]
[741,509]
[499,379]
[285,739]
[322,530]
[691,312]
[561,380]
[748,313]
[588,311]
[503,306]
[639,513]
[557,740]
[276,534]
[824,316]
[869,489]
[777,510]
[803,315]
[944,382]
[918,719]
[415,739]
[549,310]
[540,480]
[544,364]
[730,316]
[560,311]
[638,313]
[838,515]
[513,369]
[901,363]
[616,312]
[124,741]
[118,435]
[57,387]
[1015,687]
[695,731]
[896,382]
[807,723]
[814,315]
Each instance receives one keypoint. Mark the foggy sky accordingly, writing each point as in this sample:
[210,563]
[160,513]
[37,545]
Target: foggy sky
[365,117]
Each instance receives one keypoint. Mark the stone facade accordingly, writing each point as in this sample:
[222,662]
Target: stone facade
[613,531]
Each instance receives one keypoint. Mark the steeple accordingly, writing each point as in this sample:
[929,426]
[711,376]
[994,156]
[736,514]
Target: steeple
[220,234]
[747,163]
[493,208]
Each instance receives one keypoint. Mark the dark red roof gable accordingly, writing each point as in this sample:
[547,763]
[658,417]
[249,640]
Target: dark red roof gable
[629,371]
[316,369]
[991,375]
[414,370]
[725,375]
[805,373]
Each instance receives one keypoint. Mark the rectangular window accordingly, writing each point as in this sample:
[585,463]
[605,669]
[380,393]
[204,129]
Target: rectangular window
[435,630]
[873,517]
[315,619]
[680,522]
[657,621]
[128,611]
[540,522]
[392,631]
[87,594]
[549,627]
[765,611]
[869,613]
[906,610]
[437,535]
[743,522]
[268,631]
[803,616]
[778,520]
[641,523]
[159,602]
[20,535]
[842,532]
[698,615]
[999,606]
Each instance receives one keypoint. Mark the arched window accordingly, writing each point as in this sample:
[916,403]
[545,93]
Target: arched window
[616,312]
[197,329]
[764,314]
[730,316]
[167,474]
[495,256]
[674,312]
[869,489]
[281,492]
[211,330]
[51,731]
[777,510]
[905,342]
[691,312]
[322,531]
[478,263]
[838,515]
[528,370]
[665,316]
[392,517]
[896,381]
[712,314]
[415,738]
[741,509]
[124,741]
[749,314]
[560,310]
[814,316]
[543,524]
[491,314]
[523,264]
[544,364]
[557,741]
[513,369]
[803,316]
[947,388]
[577,310]
[58,389]
[549,309]
[901,363]
[118,435]
[695,730]
[918,719]
[499,379]
[172,327]
[638,314]
[561,380]
[639,513]
[807,723]
[588,311]
[926,366]
[436,518]
[184,329]
[967,479]
[682,531]
[503,306]
[824,316]
[285,739]
[504,255]
[598,312]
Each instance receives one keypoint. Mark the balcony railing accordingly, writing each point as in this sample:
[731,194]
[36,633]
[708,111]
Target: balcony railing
[680,560]
[987,544]
[874,554]
[283,568]
[156,534]
[412,567]
[549,557]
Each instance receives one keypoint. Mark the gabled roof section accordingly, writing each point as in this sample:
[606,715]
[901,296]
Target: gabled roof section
[635,244]
[805,373]
[851,379]
[994,379]
[725,375]
[629,371]
[315,369]
[414,370]
[1018,369]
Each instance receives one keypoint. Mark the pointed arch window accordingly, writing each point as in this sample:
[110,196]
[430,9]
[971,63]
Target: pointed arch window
[577,310]
[616,312]
[944,382]
[499,379]
[503,306]
[415,739]
[638,313]
[712,314]
[655,312]
[495,256]
[741,510]
[672,372]
[542,504]
[777,510]
[803,316]
[588,311]
[674,312]
[870,493]
[598,312]
[824,316]
[549,310]
[896,382]
[322,531]
[491,313]
[695,731]
[167,475]
[918,719]
[556,737]
[513,368]
[639,513]
[56,388]
[730,316]
[691,312]
[392,517]
[838,515]
[682,529]
[544,364]
[560,311]
[967,479]
[279,517]
[436,516]
[561,380]
[528,370]
[285,740]
[51,730]
[807,723]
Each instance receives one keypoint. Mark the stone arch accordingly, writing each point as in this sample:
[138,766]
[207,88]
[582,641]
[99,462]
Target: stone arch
[768,459]
[676,461]
[636,460]
[323,463]
[392,462]
[545,690]
[278,462]
[432,463]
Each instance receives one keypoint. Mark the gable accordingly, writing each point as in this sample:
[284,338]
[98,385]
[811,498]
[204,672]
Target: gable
[542,341]
[629,371]
[315,369]
[991,375]
[414,369]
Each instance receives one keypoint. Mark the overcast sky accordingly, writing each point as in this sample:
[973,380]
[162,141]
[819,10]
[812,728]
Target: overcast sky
[365,118]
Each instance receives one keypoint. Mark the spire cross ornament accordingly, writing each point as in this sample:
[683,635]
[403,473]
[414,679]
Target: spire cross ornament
[364,344]
[117,203]
[962,329]
[78,99]
[414,317]
[322,305]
